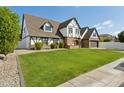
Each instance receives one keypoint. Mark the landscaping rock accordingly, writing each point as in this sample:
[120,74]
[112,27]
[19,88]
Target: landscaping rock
[9,76]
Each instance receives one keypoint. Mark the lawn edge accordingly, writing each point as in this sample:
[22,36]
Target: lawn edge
[21,78]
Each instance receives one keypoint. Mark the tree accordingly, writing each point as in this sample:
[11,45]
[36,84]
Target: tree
[121,36]
[9,30]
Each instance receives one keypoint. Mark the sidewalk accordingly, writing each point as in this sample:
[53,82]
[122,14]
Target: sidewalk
[23,51]
[105,76]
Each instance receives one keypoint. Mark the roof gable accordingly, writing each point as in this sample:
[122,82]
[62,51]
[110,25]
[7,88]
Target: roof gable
[65,23]
[83,30]
[89,33]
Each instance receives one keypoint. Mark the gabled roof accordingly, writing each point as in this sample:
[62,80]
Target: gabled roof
[34,25]
[65,23]
[83,30]
[89,33]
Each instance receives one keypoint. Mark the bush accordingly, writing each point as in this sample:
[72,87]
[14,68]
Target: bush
[53,45]
[9,30]
[61,45]
[121,36]
[106,40]
[38,45]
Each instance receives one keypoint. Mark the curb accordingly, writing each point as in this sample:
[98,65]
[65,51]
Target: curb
[21,79]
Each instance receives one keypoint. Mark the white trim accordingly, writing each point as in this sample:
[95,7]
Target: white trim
[94,38]
[84,33]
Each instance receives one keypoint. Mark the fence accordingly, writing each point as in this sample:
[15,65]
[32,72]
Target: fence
[112,45]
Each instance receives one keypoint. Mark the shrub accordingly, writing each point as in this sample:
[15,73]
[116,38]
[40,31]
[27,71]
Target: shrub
[53,45]
[38,45]
[61,45]
[121,36]
[106,40]
[9,30]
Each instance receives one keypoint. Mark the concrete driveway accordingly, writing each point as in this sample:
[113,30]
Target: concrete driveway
[105,76]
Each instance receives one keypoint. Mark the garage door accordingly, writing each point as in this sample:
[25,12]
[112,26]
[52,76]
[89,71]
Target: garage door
[93,43]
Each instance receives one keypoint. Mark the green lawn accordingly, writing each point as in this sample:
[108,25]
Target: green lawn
[56,67]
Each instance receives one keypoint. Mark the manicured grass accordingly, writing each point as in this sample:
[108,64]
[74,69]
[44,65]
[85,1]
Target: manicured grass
[57,67]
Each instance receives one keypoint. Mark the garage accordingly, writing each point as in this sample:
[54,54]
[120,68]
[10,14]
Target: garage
[90,38]
[94,43]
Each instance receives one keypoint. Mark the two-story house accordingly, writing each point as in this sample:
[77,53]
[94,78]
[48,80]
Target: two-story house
[36,29]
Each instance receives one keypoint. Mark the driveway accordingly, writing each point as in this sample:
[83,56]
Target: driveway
[106,76]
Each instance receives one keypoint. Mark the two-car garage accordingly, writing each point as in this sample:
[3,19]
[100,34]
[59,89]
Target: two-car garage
[89,43]
[93,43]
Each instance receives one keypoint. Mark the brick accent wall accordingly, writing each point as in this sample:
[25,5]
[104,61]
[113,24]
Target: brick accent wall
[71,42]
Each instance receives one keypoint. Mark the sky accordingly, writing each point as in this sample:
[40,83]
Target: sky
[107,20]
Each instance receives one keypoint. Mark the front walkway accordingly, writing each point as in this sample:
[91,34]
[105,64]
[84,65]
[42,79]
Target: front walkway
[105,76]
[24,51]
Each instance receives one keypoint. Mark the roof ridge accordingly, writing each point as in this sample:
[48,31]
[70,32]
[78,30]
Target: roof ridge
[68,19]
[43,18]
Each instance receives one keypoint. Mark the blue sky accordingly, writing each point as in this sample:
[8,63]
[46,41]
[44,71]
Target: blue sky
[108,20]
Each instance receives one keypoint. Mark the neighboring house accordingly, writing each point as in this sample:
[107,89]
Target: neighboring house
[108,38]
[36,29]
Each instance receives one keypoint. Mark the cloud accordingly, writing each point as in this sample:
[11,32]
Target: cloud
[104,25]
[108,22]
[97,25]
[77,6]
[114,33]
[111,25]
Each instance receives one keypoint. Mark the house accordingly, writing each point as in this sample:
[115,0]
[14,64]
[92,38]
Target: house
[36,29]
[108,38]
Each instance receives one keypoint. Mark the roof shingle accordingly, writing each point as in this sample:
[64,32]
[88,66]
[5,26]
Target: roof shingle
[34,24]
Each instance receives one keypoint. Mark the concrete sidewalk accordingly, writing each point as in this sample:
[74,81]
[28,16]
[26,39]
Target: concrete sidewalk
[105,76]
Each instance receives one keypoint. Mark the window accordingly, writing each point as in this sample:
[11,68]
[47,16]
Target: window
[77,32]
[45,41]
[94,34]
[48,28]
[70,30]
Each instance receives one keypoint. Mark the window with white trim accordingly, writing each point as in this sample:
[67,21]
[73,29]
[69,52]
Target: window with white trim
[70,31]
[48,27]
[77,32]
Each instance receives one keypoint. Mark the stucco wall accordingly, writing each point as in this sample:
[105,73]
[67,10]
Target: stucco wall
[112,45]
[24,43]
[64,32]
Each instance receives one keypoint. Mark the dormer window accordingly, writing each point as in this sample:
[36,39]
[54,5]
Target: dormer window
[48,27]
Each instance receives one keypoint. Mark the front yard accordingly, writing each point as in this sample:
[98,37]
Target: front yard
[56,67]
